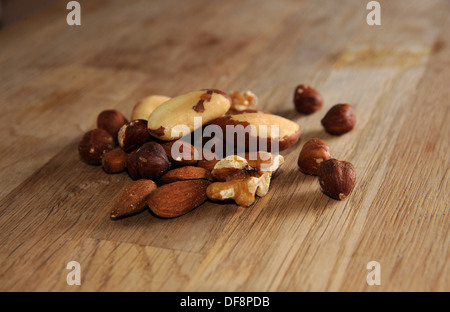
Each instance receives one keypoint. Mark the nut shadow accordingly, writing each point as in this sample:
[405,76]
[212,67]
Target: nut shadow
[306,198]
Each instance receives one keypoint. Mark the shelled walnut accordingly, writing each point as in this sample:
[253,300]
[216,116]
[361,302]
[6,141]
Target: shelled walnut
[241,101]
[240,181]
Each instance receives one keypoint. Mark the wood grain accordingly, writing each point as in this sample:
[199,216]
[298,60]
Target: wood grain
[55,79]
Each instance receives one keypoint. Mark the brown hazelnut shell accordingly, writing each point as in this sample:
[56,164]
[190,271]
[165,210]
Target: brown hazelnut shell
[313,153]
[307,100]
[111,120]
[133,134]
[94,144]
[152,161]
[337,178]
[114,161]
[132,166]
[339,119]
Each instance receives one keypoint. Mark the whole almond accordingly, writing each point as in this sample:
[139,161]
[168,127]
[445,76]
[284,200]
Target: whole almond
[185,173]
[133,199]
[175,199]
[207,164]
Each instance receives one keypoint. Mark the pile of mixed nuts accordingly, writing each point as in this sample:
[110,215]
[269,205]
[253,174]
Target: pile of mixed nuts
[208,144]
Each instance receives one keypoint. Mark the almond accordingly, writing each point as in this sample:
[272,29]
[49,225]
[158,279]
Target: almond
[207,164]
[175,199]
[133,199]
[185,173]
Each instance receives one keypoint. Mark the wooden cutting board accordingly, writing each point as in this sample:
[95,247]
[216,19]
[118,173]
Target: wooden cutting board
[55,79]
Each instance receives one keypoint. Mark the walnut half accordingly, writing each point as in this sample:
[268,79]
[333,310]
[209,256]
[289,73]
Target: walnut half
[242,102]
[240,179]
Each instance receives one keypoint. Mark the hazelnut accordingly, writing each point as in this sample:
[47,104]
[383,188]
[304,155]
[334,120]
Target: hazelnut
[313,153]
[111,120]
[114,161]
[152,161]
[336,178]
[132,166]
[94,144]
[340,119]
[133,134]
[307,100]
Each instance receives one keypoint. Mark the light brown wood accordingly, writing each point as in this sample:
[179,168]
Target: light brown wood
[55,79]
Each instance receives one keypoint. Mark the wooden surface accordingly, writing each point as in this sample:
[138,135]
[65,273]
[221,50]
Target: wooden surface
[55,79]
